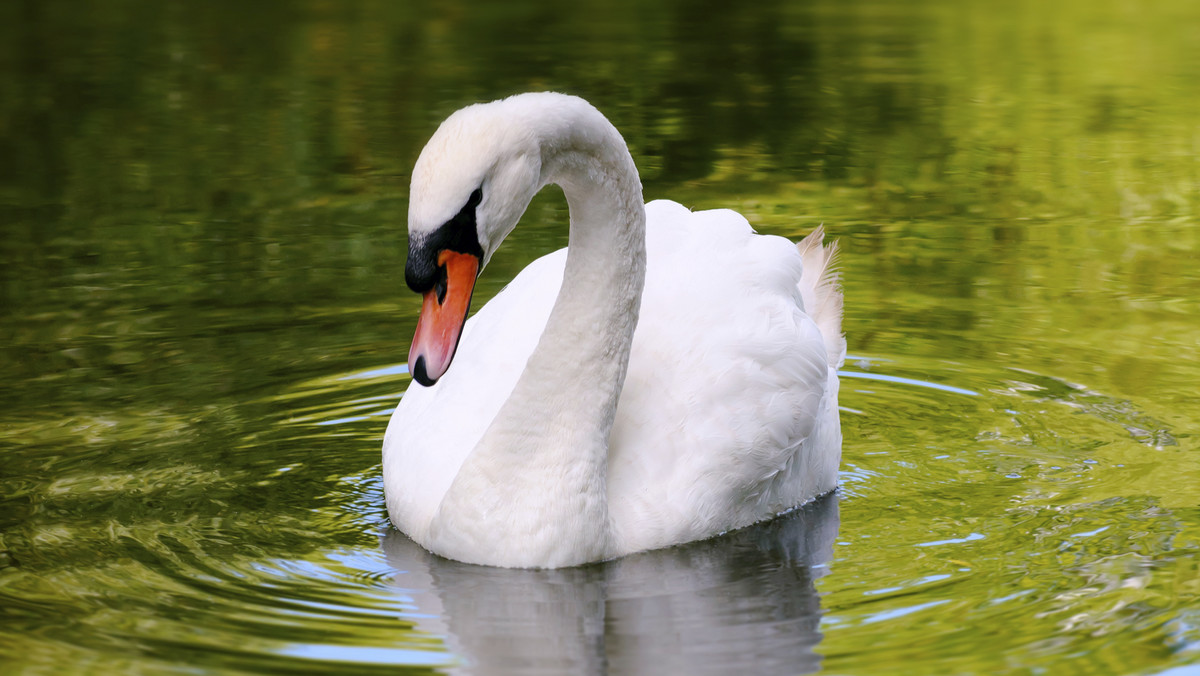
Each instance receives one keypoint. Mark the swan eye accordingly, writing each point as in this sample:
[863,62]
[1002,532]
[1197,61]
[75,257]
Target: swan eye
[440,286]
[473,201]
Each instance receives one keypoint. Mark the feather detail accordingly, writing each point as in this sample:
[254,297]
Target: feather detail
[821,289]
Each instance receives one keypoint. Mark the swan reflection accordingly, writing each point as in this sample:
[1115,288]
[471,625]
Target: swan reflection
[744,601]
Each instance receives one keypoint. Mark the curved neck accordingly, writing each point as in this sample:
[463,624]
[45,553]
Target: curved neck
[542,462]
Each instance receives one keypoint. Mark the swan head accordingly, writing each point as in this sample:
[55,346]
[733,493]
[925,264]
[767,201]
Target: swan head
[470,186]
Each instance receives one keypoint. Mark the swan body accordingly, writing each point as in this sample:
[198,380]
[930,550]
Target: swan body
[669,376]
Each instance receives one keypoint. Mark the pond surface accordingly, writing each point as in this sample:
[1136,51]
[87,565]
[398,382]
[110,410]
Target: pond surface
[203,321]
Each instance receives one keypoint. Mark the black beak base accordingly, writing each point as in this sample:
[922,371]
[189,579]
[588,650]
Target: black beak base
[459,234]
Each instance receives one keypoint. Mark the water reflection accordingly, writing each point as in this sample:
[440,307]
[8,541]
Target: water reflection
[745,601]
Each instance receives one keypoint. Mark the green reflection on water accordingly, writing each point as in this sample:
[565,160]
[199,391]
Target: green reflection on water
[201,230]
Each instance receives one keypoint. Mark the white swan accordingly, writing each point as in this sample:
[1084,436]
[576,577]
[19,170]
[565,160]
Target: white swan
[568,431]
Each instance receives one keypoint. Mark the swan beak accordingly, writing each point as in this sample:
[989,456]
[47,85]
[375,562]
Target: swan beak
[443,313]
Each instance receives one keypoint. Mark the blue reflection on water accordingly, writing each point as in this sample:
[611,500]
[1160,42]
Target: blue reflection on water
[906,381]
[395,370]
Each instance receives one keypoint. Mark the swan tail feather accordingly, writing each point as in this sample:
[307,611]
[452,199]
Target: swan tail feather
[821,289]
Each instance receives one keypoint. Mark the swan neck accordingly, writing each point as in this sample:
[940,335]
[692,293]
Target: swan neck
[589,334]
[543,461]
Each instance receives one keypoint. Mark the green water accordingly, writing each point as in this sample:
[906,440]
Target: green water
[203,321]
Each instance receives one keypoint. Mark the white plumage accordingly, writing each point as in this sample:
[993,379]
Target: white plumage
[728,411]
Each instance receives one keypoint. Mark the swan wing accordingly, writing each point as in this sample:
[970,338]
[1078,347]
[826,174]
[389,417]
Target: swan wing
[729,412]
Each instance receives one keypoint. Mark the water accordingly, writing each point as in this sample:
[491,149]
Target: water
[203,320]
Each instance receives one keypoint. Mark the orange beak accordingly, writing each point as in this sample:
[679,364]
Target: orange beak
[443,313]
